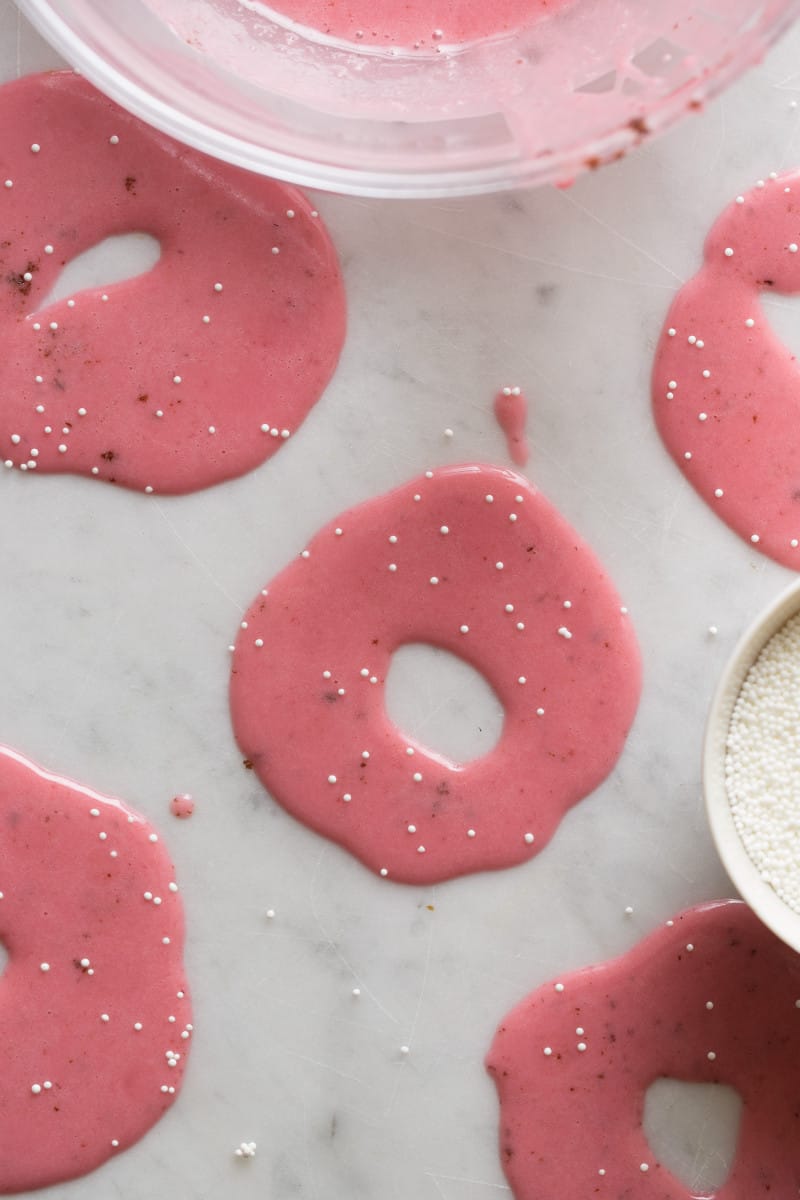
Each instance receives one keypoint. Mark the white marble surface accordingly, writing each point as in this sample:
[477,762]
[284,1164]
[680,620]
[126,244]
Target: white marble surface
[116,611]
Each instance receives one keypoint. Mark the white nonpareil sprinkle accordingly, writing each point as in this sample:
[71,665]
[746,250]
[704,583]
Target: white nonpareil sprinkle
[762,763]
[245,1150]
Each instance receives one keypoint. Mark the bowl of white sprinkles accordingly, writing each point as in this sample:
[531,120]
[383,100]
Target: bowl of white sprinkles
[751,766]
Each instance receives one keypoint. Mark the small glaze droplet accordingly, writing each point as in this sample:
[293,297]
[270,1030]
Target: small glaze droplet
[182,806]
[511,413]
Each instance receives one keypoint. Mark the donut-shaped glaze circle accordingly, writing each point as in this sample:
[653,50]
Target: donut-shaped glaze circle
[725,388]
[195,371]
[89,960]
[710,998]
[474,560]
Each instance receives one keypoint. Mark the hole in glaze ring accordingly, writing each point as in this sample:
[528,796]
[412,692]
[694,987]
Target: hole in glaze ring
[441,703]
[95,1020]
[472,559]
[712,997]
[693,1131]
[192,373]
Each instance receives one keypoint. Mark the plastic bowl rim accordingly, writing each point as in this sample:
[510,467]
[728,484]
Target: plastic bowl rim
[388,184]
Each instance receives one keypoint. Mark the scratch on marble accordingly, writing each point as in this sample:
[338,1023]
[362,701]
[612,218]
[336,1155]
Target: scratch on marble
[670,513]
[790,83]
[555,265]
[436,1184]
[425,975]
[315,1062]
[204,567]
[620,236]
[581,488]
[677,871]
[321,927]
[496,1187]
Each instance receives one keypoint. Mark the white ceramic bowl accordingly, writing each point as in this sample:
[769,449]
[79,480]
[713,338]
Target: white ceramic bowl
[780,918]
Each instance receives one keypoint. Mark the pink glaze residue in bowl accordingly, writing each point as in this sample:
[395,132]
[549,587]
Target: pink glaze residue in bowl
[510,95]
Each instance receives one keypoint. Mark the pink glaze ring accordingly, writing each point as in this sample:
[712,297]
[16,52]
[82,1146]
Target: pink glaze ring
[94,1016]
[474,560]
[725,388]
[712,998]
[195,371]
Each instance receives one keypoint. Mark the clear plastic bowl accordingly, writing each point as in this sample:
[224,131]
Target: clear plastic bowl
[570,92]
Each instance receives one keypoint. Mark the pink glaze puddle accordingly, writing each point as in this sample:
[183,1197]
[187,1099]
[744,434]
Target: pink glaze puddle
[192,373]
[571,1119]
[474,560]
[398,23]
[511,413]
[182,806]
[725,389]
[94,931]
